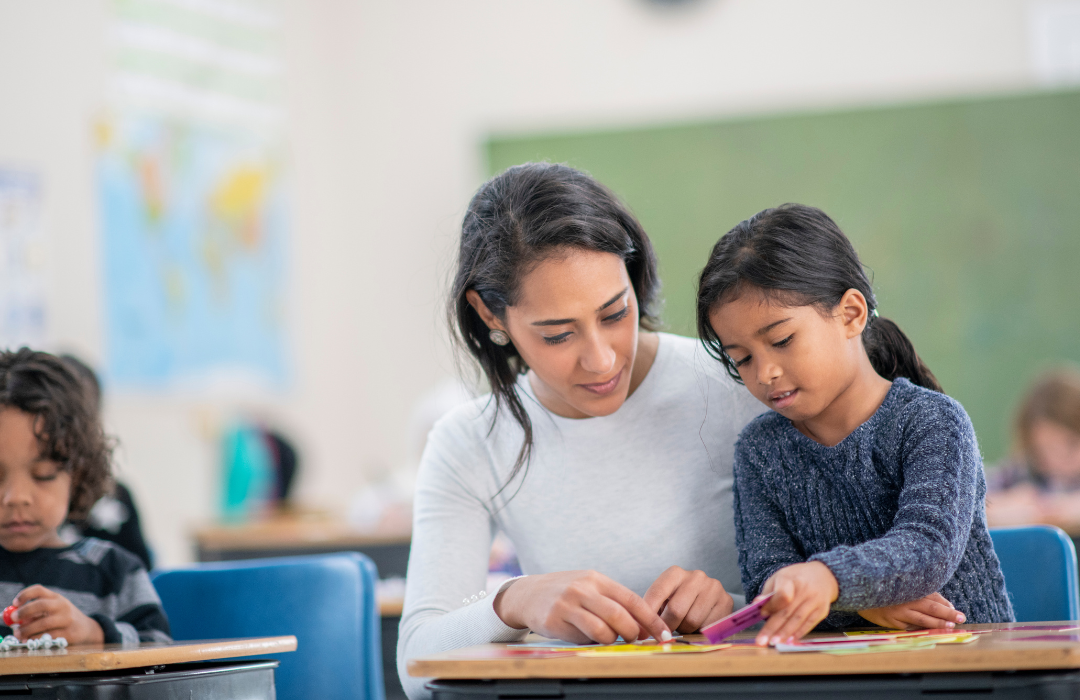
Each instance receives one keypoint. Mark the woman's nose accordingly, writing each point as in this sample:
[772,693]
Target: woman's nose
[598,356]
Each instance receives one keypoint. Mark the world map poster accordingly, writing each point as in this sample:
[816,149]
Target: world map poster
[194,237]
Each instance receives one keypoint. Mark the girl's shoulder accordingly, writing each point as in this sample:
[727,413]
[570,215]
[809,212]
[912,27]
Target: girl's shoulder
[915,407]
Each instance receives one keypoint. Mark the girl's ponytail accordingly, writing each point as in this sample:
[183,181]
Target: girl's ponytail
[893,355]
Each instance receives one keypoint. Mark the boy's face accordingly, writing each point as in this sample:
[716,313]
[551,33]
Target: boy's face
[34,492]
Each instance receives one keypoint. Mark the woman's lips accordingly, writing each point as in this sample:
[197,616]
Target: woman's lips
[604,388]
[783,399]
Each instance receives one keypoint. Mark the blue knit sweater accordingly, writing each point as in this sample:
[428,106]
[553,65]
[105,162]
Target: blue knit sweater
[895,510]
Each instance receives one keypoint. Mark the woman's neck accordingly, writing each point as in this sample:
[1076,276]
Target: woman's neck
[852,407]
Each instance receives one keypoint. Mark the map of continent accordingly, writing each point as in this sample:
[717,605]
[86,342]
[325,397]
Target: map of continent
[194,235]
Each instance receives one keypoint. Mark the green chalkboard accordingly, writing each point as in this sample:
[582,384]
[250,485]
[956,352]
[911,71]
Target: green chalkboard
[968,213]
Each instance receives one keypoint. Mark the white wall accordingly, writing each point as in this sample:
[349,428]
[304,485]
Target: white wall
[387,103]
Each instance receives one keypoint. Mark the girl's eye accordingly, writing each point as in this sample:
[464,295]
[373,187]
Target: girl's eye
[619,315]
[556,339]
[785,341]
[740,363]
[46,476]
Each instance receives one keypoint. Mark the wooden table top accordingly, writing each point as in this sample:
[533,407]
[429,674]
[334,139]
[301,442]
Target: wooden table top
[292,531]
[107,657]
[994,651]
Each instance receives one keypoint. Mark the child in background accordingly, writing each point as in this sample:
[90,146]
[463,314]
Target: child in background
[859,497]
[55,461]
[1041,483]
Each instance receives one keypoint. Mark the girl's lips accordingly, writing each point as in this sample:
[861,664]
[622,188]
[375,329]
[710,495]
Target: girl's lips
[20,526]
[783,399]
[604,388]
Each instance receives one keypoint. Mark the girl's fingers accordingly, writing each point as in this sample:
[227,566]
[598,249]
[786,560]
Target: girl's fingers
[915,618]
[796,624]
[941,613]
[938,598]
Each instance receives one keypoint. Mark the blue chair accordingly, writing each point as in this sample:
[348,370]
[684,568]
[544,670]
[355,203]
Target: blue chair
[1039,563]
[326,601]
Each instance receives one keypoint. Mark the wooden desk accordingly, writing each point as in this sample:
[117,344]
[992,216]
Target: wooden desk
[110,657]
[290,533]
[965,665]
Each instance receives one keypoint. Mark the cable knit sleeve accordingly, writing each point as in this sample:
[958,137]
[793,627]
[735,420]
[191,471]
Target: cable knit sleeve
[762,532]
[940,469]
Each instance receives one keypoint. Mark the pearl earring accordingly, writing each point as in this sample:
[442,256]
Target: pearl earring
[499,337]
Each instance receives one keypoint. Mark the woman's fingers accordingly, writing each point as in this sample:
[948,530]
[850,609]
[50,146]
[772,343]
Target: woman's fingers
[662,588]
[594,628]
[614,616]
[638,609]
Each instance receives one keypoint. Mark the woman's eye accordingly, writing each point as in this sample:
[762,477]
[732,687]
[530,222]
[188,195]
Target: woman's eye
[619,315]
[785,341]
[556,339]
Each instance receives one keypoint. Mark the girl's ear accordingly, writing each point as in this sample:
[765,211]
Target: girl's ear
[489,319]
[854,312]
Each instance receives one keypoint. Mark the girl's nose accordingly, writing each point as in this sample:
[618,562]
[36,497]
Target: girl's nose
[14,492]
[768,372]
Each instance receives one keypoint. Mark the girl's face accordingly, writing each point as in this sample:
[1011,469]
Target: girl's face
[576,326]
[1056,452]
[794,359]
[34,492]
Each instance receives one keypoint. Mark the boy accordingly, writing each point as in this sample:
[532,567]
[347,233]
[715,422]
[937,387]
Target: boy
[55,460]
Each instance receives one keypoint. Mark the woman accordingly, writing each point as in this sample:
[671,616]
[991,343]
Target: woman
[604,450]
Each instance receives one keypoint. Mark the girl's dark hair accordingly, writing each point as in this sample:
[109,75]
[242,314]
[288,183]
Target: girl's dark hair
[515,221]
[67,426]
[798,256]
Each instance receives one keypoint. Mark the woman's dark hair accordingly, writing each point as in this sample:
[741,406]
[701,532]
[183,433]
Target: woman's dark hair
[796,255]
[67,425]
[515,221]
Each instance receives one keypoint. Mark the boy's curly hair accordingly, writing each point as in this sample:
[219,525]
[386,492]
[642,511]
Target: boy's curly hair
[67,427]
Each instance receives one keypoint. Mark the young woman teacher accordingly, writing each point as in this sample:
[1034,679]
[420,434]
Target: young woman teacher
[604,450]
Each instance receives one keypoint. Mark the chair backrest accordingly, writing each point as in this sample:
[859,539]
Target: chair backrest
[326,601]
[1039,564]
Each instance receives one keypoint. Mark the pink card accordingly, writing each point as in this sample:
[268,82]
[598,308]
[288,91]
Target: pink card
[735,622]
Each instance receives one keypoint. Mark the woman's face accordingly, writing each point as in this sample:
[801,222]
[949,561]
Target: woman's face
[576,325]
[1056,452]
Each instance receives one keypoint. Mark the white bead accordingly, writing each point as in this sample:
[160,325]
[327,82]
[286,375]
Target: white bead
[483,594]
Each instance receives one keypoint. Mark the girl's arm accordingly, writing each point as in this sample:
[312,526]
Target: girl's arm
[942,485]
[761,531]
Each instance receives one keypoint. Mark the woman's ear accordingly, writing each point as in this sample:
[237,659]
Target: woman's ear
[489,319]
[854,312]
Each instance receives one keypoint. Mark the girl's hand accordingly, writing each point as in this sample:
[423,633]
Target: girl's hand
[688,600]
[802,594]
[41,610]
[578,606]
[932,612]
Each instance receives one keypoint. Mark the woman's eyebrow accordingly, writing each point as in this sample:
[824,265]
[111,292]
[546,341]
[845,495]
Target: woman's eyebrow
[562,321]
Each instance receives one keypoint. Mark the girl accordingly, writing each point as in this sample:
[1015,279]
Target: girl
[603,450]
[860,495]
[1041,482]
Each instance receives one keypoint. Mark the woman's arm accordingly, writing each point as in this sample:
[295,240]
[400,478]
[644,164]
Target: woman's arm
[919,554]
[448,560]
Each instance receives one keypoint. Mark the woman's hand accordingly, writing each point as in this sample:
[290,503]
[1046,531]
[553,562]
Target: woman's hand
[41,610]
[932,612]
[578,606]
[802,594]
[688,600]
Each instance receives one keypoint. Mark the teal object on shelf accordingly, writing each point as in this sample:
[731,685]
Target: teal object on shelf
[247,472]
